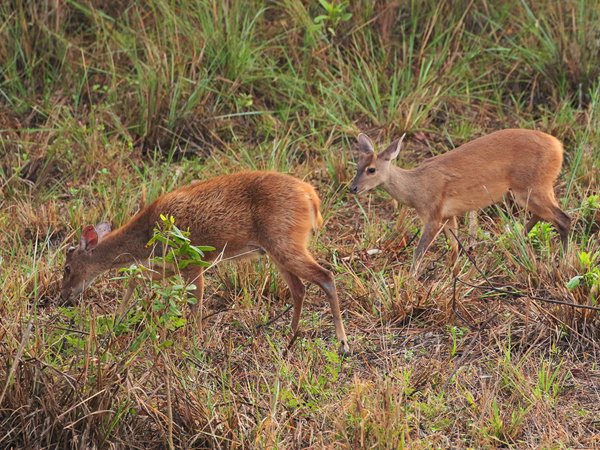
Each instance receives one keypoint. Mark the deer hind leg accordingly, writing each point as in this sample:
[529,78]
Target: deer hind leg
[298,291]
[562,222]
[298,262]
[545,207]
[523,201]
[531,223]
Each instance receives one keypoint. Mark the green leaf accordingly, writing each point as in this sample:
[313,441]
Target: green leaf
[141,338]
[201,263]
[158,305]
[574,282]
[584,258]
[204,248]
[320,19]
[178,322]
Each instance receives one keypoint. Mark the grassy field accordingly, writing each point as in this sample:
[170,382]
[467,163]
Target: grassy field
[105,105]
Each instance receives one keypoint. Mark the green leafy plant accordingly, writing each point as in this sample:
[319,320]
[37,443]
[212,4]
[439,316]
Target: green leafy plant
[176,246]
[503,426]
[177,250]
[541,235]
[590,205]
[591,273]
[457,334]
[550,382]
[590,211]
[335,14]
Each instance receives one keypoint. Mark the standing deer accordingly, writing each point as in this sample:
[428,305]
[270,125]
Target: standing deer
[240,215]
[473,176]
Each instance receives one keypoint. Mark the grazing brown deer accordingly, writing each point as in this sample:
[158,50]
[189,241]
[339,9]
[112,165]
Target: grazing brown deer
[240,215]
[471,177]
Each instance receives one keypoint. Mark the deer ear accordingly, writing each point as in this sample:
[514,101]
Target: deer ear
[102,229]
[89,238]
[392,151]
[365,144]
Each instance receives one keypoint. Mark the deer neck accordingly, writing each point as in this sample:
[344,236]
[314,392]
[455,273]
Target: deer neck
[401,184]
[124,246]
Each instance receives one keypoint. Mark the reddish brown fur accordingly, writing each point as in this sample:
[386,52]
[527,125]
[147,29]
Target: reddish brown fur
[241,215]
[471,177]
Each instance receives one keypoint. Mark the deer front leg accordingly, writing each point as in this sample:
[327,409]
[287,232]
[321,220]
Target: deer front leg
[195,275]
[133,282]
[430,230]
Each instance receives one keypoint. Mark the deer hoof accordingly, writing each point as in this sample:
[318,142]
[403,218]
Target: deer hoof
[344,349]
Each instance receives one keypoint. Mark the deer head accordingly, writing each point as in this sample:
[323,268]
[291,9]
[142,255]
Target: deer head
[81,265]
[373,169]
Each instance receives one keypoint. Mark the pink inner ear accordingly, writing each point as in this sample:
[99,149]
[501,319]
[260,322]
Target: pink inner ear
[103,228]
[89,238]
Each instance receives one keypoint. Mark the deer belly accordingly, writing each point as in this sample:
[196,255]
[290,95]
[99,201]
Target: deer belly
[473,199]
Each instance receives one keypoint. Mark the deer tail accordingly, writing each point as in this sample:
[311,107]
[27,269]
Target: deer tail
[317,218]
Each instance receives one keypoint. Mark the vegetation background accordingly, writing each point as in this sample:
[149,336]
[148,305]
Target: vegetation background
[105,105]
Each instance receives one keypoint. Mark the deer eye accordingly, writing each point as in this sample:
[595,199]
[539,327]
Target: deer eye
[371,170]
[68,269]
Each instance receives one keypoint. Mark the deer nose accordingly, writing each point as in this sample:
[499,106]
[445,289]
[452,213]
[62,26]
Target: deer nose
[63,297]
[354,189]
